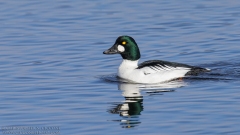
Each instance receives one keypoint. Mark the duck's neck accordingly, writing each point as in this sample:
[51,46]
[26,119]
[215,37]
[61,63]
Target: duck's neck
[129,64]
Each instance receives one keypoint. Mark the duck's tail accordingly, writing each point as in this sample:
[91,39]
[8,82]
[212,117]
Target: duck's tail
[197,70]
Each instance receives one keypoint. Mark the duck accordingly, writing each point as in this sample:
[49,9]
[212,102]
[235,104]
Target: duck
[148,72]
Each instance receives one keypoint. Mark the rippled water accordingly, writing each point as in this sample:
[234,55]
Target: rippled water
[53,72]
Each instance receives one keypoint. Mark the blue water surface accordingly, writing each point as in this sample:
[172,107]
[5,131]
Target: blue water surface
[53,72]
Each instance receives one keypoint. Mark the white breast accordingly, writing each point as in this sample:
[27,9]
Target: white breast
[127,69]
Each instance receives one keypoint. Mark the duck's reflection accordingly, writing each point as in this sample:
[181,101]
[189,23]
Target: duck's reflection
[131,108]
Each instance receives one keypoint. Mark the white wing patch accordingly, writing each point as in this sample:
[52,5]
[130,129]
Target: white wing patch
[161,69]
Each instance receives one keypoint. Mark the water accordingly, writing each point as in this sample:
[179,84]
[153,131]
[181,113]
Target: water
[53,72]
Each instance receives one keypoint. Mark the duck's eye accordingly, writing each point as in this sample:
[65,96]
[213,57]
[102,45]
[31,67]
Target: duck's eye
[124,42]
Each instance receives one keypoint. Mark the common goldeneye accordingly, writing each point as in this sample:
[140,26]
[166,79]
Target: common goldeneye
[152,71]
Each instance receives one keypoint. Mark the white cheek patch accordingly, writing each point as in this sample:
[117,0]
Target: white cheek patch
[121,48]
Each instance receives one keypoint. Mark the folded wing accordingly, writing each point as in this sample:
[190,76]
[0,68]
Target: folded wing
[158,66]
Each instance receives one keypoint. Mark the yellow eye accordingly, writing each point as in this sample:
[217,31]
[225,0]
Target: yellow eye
[124,43]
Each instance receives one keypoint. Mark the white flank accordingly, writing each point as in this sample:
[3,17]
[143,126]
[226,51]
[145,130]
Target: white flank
[128,70]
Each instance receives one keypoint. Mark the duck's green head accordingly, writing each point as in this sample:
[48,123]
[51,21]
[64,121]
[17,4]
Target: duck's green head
[126,46]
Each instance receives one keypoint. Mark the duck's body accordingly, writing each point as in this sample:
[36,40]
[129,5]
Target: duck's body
[153,71]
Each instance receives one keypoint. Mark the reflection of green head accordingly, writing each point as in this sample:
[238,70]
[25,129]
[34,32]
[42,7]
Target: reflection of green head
[135,108]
